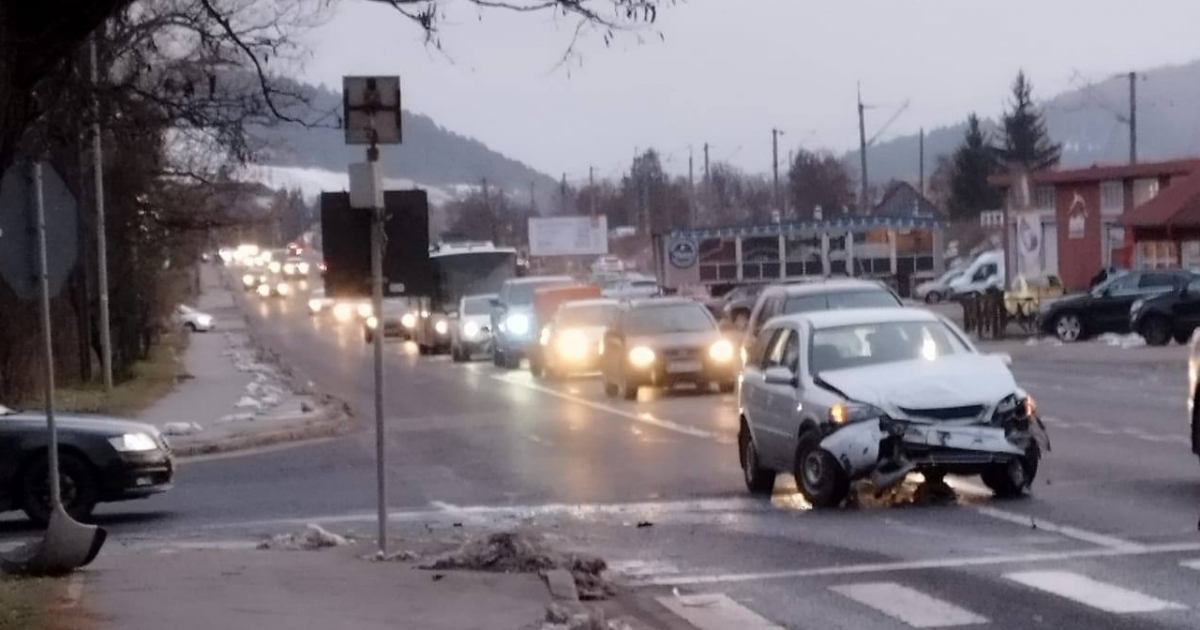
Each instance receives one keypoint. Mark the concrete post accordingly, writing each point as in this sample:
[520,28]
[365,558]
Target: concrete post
[826,268]
[737,255]
[782,257]
[850,268]
[891,237]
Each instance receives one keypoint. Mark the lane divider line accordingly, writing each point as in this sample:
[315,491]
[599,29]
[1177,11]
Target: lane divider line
[1066,531]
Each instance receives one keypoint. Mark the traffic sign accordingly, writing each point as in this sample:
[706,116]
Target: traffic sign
[371,110]
[18,230]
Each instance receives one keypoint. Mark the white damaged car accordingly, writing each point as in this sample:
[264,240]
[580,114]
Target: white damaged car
[838,396]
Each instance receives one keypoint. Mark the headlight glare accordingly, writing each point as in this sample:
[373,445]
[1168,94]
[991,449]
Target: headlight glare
[133,443]
[364,310]
[372,322]
[470,330]
[517,324]
[572,344]
[441,327]
[343,312]
[408,320]
[641,357]
[721,351]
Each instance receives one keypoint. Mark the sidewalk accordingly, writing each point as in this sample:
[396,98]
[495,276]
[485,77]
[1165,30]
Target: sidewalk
[229,398]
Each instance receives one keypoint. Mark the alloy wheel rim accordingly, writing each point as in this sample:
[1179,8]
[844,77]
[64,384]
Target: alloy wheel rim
[814,469]
[1068,327]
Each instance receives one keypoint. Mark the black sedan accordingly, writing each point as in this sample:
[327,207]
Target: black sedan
[102,460]
[662,342]
[1106,307]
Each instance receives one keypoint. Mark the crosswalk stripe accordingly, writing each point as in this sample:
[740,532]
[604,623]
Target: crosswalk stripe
[715,611]
[909,606]
[1089,592]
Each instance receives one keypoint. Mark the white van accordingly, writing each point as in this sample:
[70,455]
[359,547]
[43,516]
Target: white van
[985,272]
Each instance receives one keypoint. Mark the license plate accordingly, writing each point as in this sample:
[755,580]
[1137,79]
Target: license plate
[679,367]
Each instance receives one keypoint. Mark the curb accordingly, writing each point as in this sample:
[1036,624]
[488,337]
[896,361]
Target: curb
[331,423]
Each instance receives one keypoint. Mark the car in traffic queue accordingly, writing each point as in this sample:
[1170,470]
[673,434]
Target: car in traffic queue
[817,295]
[471,328]
[192,319]
[1107,307]
[664,342]
[251,280]
[101,460]
[632,286]
[1170,315]
[546,302]
[736,305]
[318,302]
[571,340]
[351,309]
[837,396]
[395,321]
[936,290]
[275,285]
[515,328]
[295,267]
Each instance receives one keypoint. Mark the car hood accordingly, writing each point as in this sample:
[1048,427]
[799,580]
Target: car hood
[951,381]
[676,340]
[592,333]
[95,425]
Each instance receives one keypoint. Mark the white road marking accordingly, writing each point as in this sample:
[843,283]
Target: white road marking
[1062,530]
[1089,592]
[715,611]
[909,606]
[1190,564]
[645,418]
[920,565]
[642,568]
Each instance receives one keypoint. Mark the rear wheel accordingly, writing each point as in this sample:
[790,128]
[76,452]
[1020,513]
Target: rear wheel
[78,487]
[818,475]
[759,480]
[1157,330]
[933,297]
[191,327]
[1068,327]
[1011,480]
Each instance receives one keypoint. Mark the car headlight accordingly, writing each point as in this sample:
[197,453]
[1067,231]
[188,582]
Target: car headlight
[372,322]
[1030,406]
[364,310]
[641,357]
[247,279]
[283,289]
[470,330]
[848,412]
[343,312]
[264,290]
[204,320]
[517,324]
[424,314]
[314,305]
[441,327]
[274,267]
[133,443]
[572,344]
[303,267]
[289,268]
[721,351]
[408,320]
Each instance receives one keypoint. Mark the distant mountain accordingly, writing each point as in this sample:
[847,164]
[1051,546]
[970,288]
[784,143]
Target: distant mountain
[429,156]
[1085,120]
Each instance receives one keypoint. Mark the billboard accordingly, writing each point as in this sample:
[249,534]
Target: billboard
[568,236]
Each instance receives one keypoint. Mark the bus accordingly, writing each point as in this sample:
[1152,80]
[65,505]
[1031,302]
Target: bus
[460,269]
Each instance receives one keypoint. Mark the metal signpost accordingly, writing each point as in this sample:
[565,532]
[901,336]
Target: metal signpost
[372,117]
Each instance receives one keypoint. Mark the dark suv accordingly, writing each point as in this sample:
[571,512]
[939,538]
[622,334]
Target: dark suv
[1170,315]
[825,295]
[1106,308]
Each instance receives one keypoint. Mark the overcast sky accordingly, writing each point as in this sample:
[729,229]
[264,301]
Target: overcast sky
[727,71]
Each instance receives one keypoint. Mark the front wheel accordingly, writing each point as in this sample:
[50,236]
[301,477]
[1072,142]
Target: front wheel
[1068,327]
[77,483]
[759,480]
[818,475]
[933,297]
[1157,330]
[1011,480]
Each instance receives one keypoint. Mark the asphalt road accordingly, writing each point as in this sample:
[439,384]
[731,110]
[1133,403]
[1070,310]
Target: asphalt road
[1108,540]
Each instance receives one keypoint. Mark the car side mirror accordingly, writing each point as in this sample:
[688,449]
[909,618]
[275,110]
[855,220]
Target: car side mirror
[1005,357]
[779,375]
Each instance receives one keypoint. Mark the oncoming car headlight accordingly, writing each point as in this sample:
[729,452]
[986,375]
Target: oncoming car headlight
[283,288]
[314,305]
[248,279]
[517,324]
[364,310]
[721,351]
[848,412]
[572,344]
[470,330]
[441,327]
[641,357]
[408,320]
[264,290]
[133,443]
[372,322]
[343,312]
[289,268]
[303,267]
[274,266]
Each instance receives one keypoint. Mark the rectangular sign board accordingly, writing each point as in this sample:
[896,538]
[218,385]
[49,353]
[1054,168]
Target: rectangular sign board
[568,236]
[371,110]
[346,232]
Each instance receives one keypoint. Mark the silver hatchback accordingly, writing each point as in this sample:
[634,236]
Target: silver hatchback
[838,396]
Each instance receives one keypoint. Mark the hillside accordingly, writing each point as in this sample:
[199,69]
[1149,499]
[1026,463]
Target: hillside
[1084,120]
[430,155]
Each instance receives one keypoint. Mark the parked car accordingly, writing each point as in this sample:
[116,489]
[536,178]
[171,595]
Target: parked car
[838,396]
[192,319]
[471,330]
[1170,315]
[514,322]
[101,460]
[824,295]
[663,342]
[936,290]
[571,340]
[982,274]
[1106,308]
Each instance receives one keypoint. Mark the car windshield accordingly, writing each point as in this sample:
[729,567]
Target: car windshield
[587,315]
[834,301]
[863,345]
[667,319]
[479,305]
[521,293]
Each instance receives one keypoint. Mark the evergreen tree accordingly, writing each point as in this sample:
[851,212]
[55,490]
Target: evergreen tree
[973,162]
[1025,141]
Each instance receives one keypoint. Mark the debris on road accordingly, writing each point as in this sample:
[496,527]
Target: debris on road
[181,428]
[312,538]
[1132,340]
[399,556]
[643,524]
[514,552]
[560,617]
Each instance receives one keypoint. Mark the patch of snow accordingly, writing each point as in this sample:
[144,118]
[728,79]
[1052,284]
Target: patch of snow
[247,402]
[311,538]
[235,417]
[181,428]
[1132,340]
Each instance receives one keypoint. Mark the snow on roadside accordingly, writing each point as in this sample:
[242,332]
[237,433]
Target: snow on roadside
[1132,340]
[264,392]
[311,538]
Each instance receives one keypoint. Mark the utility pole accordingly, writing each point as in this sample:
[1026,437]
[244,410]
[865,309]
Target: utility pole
[532,202]
[787,197]
[921,166]
[691,189]
[775,167]
[862,153]
[563,193]
[1132,117]
[487,209]
[592,191]
[101,229]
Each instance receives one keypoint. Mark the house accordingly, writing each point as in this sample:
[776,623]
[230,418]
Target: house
[1078,220]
